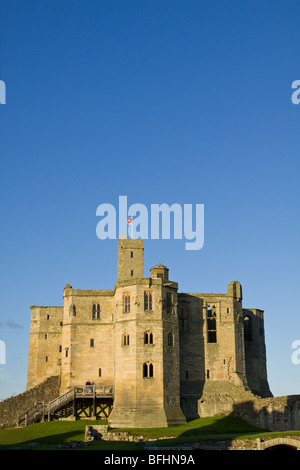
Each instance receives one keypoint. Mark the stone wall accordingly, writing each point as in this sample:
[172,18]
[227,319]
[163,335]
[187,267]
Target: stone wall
[99,432]
[44,344]
[236,444]
[87,341]
[274,414]
[12,407]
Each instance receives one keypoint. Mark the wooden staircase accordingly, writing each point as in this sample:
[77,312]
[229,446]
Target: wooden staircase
[40,410]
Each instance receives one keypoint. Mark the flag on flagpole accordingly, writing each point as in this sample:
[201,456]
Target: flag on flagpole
[129,222]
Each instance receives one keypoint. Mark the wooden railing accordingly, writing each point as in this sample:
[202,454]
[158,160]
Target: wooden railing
[33,414]
[41,409]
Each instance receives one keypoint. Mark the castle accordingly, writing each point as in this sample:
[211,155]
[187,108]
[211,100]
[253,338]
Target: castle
[168,355]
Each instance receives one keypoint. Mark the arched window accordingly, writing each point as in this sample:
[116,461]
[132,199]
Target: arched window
[72,310]
[127,303]
[211,325]
[98,312]
[148,337]
[248,331]
[148,370]
[125,339]
[170,339]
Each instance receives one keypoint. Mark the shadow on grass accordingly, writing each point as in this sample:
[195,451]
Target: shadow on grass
[42,442]
[50,435]
[215,428]
[57,435]
[223,428]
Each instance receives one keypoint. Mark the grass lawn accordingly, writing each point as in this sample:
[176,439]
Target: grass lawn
[53,433]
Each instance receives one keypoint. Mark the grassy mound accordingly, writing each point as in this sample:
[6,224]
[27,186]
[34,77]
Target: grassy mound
[48,435]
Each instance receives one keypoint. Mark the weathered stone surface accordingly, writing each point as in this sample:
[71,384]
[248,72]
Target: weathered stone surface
[12,407]
[235,444]
[168,355]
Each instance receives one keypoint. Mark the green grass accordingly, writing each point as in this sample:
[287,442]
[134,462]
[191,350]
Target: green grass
[51,434]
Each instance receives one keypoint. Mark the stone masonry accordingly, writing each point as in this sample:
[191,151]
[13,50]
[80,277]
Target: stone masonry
[168,355]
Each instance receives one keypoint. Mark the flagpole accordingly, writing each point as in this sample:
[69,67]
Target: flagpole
[130,222]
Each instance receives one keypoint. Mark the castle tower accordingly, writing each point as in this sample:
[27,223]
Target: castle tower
[44,357]
[146,364]
[130,259]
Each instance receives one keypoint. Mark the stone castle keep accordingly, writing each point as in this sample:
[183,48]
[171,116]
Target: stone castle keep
[168,355]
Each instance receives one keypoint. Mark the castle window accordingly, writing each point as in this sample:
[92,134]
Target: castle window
[170,339]
[60,348]
[125,339]
[131,273]
[72,310]
[169,302]
[148,337]
[96,312]
[248,333]
[127,303]
[147,370]
[211,325]
[46,336]
[147,300]
[131,254]
[207,374]
[99,372]
[92,343]
[46,358]
[67,352]
[48,317]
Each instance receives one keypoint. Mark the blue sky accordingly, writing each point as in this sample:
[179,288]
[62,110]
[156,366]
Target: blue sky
[168,101]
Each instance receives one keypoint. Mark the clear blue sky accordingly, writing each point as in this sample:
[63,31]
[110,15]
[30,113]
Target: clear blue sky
[165,102]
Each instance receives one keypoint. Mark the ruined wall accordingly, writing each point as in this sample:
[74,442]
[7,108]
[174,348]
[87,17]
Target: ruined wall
[211,341]
[274,413]
[255,352]
[12,407]
[191,345]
